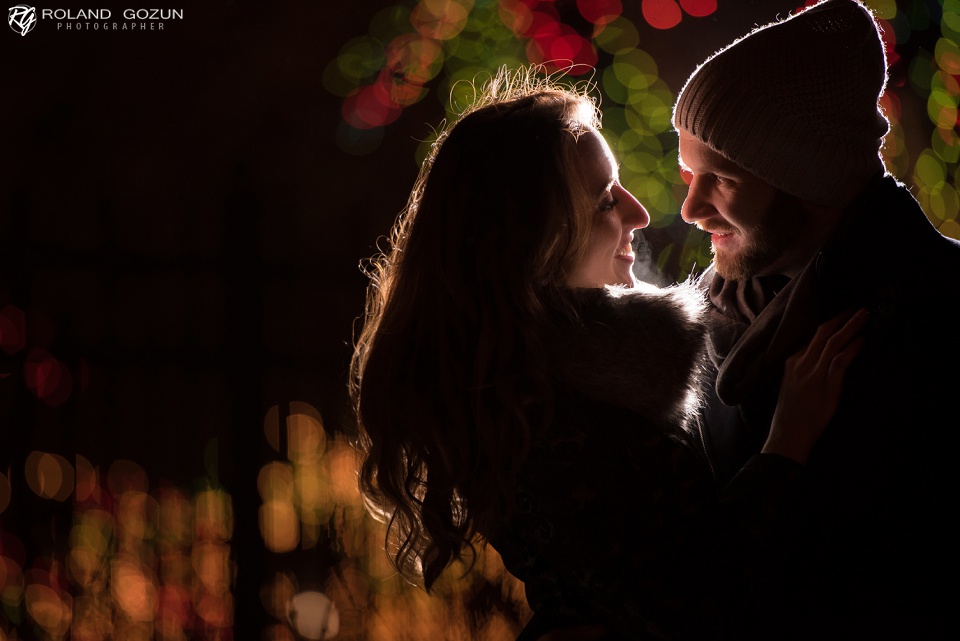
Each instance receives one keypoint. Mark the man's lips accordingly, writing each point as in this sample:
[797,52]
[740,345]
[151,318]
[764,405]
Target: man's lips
[720,236]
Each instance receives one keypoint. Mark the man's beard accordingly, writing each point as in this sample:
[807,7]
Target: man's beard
[765,243]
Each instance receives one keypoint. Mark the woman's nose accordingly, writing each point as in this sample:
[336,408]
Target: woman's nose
[633,213]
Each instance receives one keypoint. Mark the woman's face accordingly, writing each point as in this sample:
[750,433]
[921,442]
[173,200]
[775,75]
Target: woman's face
[609,256]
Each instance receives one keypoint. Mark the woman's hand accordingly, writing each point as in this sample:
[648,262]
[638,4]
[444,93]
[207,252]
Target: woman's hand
[812,382]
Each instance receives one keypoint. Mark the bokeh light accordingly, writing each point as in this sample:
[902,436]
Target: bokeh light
[48,378]
[50,476]
[662,14]
[314,616]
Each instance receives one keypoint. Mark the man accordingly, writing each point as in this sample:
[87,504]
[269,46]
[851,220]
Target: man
[781,132]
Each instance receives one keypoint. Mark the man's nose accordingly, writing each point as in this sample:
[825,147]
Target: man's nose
[697,206]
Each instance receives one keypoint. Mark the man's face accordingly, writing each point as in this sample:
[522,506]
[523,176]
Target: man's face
[755,228]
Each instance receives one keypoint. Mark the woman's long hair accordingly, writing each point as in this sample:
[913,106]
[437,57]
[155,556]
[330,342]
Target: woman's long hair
[448,374]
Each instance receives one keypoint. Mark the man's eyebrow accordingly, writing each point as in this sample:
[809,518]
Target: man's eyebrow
[683,165]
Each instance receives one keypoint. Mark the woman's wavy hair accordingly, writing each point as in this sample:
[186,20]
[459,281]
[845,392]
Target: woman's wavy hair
[449,376]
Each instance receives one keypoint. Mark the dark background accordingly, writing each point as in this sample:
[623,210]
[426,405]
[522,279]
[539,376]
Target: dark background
[182,235]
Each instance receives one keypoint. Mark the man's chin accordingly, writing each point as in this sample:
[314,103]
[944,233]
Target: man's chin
[731,266]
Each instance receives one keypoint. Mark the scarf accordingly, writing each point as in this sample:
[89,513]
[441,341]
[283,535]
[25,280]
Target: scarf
[756,324]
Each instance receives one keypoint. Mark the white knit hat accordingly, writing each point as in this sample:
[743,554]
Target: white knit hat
[795,102]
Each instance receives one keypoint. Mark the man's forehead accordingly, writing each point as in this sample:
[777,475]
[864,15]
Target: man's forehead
[695,156]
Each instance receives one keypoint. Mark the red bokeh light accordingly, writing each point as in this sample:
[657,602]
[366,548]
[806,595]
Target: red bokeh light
[48,379]
[561,51]
[370,106]
[661,14]
[699,8]
[542,23]
[889,42]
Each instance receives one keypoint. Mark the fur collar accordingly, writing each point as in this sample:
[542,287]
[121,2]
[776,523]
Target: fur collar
[642,348]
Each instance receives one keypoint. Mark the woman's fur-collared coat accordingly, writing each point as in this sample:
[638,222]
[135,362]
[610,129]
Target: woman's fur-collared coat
[612,500]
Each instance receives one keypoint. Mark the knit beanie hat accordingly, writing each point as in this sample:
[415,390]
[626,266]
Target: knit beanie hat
[795,102]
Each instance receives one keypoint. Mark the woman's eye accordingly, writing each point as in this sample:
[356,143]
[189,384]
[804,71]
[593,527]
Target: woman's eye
[609,205]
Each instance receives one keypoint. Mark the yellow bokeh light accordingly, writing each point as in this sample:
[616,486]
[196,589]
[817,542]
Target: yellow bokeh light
[211,562]
[216,611]
[947,55]
[276,594]
[950,228]
[343,463]
[950,25]
[440,19]
[636,69]
[50,476]
[176,517]
[306,439]
[279,526]
[275,481]
[929,171]
[618,36]
[310,528]
[946,144]
[944,202]
[137,515]
[213,514]
[133,589]
[311,487]
[48,609]
[885,9]
[515,15]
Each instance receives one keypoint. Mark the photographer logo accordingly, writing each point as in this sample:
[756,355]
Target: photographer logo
[22,19]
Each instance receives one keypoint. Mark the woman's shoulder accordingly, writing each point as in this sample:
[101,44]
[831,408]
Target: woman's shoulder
[642,348]
[642,305]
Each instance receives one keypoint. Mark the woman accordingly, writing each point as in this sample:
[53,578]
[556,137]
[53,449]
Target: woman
[505,395]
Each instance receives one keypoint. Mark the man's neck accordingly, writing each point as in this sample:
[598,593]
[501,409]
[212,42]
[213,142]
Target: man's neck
[821,224]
